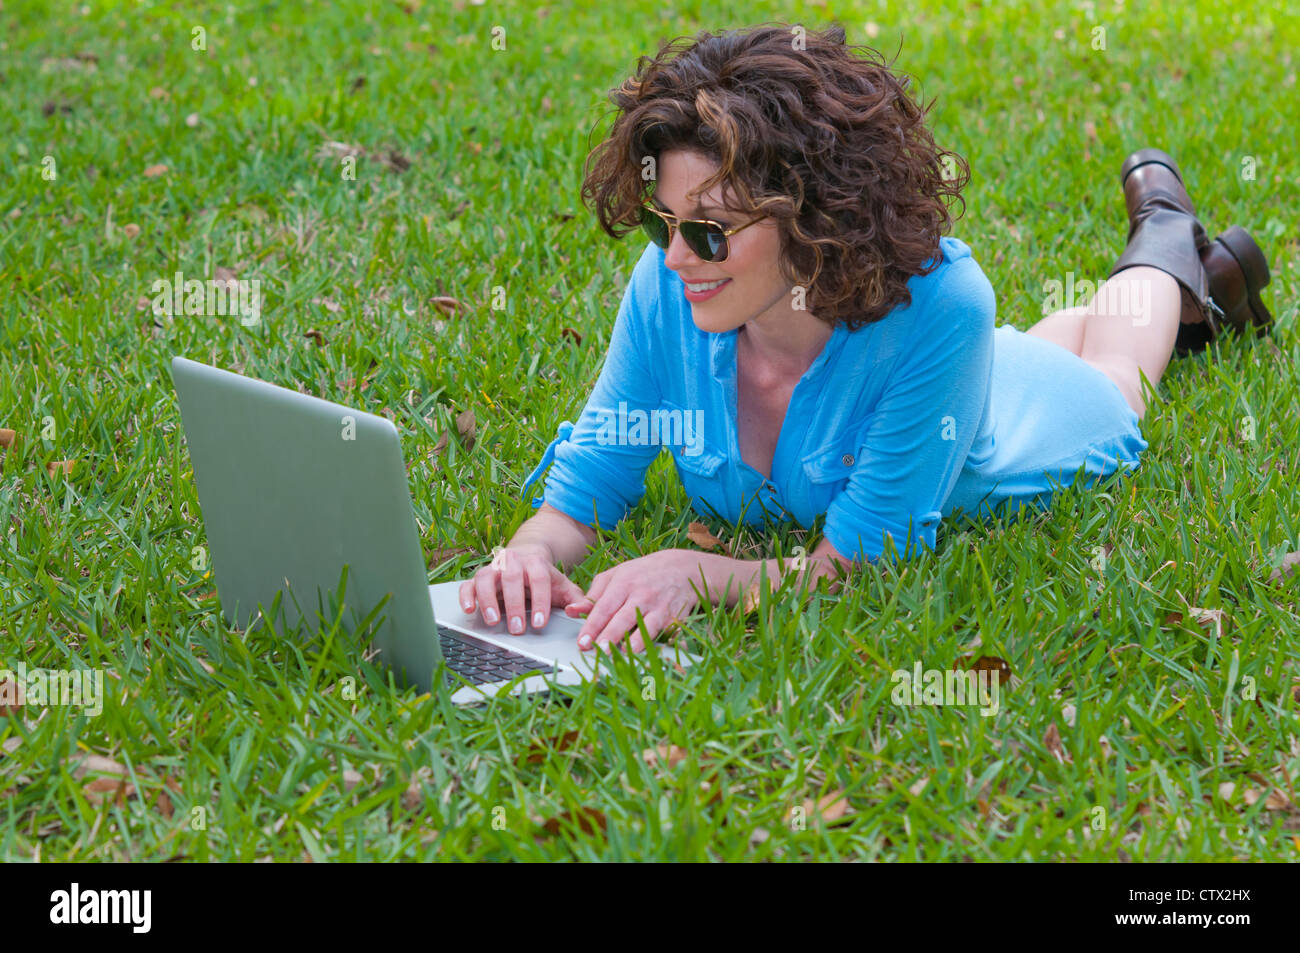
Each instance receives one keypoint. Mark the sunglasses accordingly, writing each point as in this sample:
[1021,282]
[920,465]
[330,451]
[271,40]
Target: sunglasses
[708,240]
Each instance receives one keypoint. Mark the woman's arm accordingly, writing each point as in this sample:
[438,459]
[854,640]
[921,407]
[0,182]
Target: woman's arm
[565,539]
[593,475]
[665,586]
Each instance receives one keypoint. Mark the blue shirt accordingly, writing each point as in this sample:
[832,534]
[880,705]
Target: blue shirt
[889,430]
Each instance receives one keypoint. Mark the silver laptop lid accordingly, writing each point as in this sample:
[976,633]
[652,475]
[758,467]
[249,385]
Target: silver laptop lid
[293,487]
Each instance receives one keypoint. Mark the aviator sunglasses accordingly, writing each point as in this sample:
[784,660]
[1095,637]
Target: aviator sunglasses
[707,239]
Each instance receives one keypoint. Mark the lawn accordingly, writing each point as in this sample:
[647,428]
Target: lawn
[1149,625]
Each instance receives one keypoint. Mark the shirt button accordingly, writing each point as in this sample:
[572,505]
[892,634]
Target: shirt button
[847,459]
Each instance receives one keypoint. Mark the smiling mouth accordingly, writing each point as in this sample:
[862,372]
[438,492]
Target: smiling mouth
[706,286]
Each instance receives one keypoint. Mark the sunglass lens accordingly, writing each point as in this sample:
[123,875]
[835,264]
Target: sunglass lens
[707,241]
[655,227]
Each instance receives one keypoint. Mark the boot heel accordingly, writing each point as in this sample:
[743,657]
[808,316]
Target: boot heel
[1254,266]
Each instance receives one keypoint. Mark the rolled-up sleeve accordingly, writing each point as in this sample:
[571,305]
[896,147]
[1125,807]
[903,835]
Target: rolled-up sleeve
[916,440]
[593,478]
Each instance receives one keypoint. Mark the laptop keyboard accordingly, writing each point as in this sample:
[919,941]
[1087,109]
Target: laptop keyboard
[480,662]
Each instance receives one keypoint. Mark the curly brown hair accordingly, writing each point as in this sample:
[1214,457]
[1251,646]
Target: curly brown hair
[826,142]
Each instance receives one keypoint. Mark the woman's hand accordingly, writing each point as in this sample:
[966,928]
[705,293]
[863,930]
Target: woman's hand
[660,585]
[516,570]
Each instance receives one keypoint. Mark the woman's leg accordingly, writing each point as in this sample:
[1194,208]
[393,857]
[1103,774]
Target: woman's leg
[1130,327]
[1064,327]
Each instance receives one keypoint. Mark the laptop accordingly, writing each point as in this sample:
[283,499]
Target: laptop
[303,499]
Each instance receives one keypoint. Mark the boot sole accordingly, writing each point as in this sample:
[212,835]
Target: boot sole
[1250,258]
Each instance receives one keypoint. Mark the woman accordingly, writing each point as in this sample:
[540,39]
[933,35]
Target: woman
[802,339]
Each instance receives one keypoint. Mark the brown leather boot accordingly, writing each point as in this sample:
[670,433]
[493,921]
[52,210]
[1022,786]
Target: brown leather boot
[1238,271]
[1164,233]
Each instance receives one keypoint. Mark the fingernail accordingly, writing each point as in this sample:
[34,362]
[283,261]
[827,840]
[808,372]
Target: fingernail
[516,624]
[538,620]
[584,641]
[491,615]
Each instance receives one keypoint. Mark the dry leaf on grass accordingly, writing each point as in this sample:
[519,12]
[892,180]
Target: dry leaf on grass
[444,553]
[1052,739]
[670,754]
[98,764]
[985,663]
[1206,618]
[831,808]
[413,796]
[1289,563]
[467,427]
[711,792]
[1276,800]
[754,596]
[163,800]
[11,698]
[54,466]
[154,171]
[449,305]
[7,437]
[586,819]
[105,789]
[316,336]
[100,789]
[700,535]
[131,230]
[541,750]
[338,150]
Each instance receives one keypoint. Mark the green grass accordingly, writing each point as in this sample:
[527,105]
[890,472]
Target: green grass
[254,735]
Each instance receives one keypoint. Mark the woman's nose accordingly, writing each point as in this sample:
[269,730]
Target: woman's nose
[678,254]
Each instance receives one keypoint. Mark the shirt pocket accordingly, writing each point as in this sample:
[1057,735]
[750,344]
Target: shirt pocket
[700,468]
[834,461]
[704,464]
[828,469]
